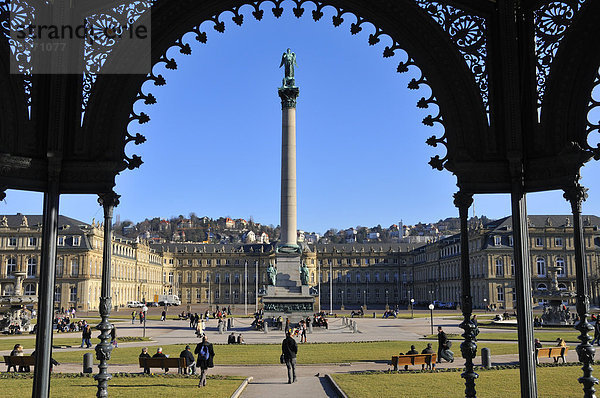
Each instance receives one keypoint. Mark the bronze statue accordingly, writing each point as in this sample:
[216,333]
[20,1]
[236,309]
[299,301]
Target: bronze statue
[288,59]
[304,274]
[272,274]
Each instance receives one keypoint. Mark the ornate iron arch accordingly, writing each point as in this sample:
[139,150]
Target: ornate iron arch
[428,31]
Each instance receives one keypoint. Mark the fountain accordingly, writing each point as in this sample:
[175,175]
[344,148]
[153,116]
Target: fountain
[14,318]
[554,312]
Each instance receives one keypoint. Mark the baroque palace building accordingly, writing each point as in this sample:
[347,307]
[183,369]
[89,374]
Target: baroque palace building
[349,275]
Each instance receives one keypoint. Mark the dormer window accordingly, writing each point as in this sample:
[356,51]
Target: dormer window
[76,240]
[497,240]
[61,240]
[510,241]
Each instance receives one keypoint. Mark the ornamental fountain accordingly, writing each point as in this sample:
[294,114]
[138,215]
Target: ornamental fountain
[14,318]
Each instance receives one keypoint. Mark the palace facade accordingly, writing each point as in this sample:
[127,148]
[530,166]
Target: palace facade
[349,275]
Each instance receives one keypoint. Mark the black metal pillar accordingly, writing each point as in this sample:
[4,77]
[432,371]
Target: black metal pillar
[523,289]
[468,348]
[108,201]
[43,342]
[575,195]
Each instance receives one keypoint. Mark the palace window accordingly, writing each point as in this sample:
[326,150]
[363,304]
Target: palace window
[57,294]
[60,265]
[339,294]
[30,289]
[61,240]
[541,266]
[542,287]
[357,276]
[189,277]
[236,295]
[558,242]
[236,262]
[207,277]
[368,277]
[227,262]
[539,242]
[358,294]
[386,277]
[510,241]
[339,261]
[218,261]
[198,295]
[500,290]
[348,277]
[236,278]
[190,262]
[217,294]
[171,277]
[32,241]
[376,261]
[512,266]
[497,240]
[11,265]
[207,294]
[357,261]
[31,267]
[339,276]
[367,261]
[73,295]
[376,294]
[499,267]
[561,271]
[348,261]
[198,277]
[76,241]
[208,261]
[396,276]
[188,295]
[227,277]
[12,241]
[226,293]
[74,267]
[376,277]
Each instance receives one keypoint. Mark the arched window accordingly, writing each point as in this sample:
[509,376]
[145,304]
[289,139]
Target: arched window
[30,289]
[562,269]
[31,267]
[11,266]
[542,287]
[541,266]
[562,286]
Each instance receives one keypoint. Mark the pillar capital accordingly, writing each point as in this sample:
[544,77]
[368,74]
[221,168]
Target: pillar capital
[288,95]
[463,199]
[108,200]
[576,194]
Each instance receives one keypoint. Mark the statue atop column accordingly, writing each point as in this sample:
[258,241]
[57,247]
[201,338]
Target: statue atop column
[272,274]
[288,59]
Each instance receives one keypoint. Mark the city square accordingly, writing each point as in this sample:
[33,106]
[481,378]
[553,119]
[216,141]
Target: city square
[510,90]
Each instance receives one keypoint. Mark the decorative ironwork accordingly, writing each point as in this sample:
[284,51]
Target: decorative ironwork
[13,14]
[551,22]
[593,114]
[468,33]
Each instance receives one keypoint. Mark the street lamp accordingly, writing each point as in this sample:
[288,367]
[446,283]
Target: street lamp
[365,299]
[387,306]
[485,304]
[412,308]
[431,306]
[342,307]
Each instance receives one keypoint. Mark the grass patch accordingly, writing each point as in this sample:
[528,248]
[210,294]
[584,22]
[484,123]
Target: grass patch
[124,385]
[492,383]
[250,354]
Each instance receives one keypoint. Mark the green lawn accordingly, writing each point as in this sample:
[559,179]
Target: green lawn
[553,382]
[119,386]
[269,353]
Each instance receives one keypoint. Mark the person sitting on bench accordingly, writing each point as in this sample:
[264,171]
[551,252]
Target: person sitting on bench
[412,351]
[145,354]
[159,354]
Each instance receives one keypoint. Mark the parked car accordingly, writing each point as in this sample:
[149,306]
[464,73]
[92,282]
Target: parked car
[134,304]
[152,304]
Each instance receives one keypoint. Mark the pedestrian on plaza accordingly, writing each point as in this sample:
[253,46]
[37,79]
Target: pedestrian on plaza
[596,332]
[145,354]
[190,362]
[160,354]
[113,336]
[191,319]
[537,344]
[289,349]
[141,317]
[196,319]
[205,360]
[163,315]
[303,332]
[132,317]
[86,336]
[444,347]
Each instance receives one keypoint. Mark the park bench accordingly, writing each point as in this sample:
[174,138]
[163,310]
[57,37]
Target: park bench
[414,359]
[163,363]
[551,352]
[25,360]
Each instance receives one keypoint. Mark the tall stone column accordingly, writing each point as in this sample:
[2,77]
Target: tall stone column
[288,95]
[108,201]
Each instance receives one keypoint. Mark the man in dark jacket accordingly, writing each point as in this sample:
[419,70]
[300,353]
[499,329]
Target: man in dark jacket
[442,341]
[205,359]
[427,350]
[190,362]
[159,354]
[289,349]
[144,354]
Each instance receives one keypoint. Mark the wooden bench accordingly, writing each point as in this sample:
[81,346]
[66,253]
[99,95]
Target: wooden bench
[25,360]
[414,359]
[551,352]
[164,363]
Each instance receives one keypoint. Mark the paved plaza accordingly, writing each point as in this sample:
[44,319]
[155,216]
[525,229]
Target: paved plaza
[268,379]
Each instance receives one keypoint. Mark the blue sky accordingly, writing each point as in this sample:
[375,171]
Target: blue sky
[214,138]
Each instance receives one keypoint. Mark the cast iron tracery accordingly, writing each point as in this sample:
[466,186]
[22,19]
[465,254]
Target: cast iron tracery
[551,23]
[593,114]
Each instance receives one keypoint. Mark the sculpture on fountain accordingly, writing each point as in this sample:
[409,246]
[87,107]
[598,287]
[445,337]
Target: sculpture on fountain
[13,315]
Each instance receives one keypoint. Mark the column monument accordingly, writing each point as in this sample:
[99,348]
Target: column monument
[288,292]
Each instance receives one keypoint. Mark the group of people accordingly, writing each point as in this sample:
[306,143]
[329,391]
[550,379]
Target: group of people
[141,314]
[233,340]
[204,361]
[66,324]
[426,350]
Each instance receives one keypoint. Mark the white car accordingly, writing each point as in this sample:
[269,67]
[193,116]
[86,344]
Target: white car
[134,304]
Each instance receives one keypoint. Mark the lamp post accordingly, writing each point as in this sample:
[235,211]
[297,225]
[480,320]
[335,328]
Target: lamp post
[145,312]
[365,298]
[412,308]
[330,287]
[342,307]
[246,287]
[485,304]
[387,306]
[431,310]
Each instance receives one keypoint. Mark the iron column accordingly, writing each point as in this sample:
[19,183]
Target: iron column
[108,201]
[43,343]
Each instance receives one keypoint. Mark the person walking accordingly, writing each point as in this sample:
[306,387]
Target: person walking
[86,336]
[205,360]
[163,315]
[289,349]
[303,332]
[132,317]
[443,346]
